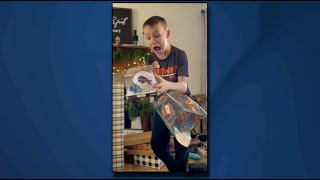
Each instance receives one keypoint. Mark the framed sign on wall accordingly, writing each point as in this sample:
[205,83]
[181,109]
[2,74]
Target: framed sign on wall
[122,25]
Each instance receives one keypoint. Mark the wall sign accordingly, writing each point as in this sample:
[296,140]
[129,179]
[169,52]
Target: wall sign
[122,25]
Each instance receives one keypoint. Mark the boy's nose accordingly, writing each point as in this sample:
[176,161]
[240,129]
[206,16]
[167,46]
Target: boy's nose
[153,42]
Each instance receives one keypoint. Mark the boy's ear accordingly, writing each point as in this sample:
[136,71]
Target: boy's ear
[168,33]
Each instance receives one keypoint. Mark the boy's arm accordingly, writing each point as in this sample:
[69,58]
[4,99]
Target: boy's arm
[164,85]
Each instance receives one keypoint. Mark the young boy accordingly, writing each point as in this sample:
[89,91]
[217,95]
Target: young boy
[171,72]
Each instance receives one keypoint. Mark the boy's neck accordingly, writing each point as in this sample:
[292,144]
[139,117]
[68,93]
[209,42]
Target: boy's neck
[166,52]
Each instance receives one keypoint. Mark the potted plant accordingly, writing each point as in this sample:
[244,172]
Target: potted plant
[140,109]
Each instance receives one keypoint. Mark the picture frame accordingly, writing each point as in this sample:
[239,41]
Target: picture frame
[122,31]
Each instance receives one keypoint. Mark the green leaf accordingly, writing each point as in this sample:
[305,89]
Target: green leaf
[139,107]
[138,53]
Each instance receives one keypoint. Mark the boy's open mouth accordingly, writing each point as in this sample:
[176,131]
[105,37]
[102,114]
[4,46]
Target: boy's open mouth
[157,48]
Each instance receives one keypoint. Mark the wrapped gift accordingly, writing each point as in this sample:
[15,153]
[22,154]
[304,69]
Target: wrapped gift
[180,113]
[139,81]
[148,161]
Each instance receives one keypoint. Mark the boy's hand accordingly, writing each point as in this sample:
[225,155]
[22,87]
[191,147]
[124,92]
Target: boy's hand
[162,86]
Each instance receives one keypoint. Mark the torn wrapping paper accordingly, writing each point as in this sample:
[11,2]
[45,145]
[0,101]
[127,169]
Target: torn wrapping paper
[180,113]
[139,81]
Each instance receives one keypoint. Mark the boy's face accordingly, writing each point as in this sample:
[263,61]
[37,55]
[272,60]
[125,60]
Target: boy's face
[158,37]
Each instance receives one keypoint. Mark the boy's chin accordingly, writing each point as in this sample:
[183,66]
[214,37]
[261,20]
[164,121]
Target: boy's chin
[159,54]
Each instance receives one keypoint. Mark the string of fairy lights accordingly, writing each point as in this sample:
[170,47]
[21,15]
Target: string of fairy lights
[122,66]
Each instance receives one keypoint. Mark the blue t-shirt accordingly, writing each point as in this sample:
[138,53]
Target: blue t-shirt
[175,65]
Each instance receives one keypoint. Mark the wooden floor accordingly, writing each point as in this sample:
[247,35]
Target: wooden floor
[138,168]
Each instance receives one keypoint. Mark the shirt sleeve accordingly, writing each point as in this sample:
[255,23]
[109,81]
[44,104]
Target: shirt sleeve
[183,69]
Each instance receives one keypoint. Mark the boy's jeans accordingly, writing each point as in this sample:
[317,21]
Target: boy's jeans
[160,145]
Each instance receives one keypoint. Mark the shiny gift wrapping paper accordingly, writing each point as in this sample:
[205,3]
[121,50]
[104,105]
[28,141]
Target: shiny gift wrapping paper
[180,113]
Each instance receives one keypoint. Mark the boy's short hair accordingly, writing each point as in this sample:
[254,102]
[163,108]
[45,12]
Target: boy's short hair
[154,20]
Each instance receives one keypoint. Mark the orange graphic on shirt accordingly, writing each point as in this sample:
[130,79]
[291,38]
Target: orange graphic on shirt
[166,71]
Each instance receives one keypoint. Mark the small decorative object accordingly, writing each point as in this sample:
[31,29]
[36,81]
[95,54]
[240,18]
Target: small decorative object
[204,145]
[139,110]
[139,81]
[202,151]
[194,156]
[135,38]
[180,113]
[117,41]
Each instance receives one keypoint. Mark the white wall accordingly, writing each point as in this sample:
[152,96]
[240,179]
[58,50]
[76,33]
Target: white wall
[187,30]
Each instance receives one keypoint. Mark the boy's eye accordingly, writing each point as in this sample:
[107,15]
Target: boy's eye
[156,36]
[148,38]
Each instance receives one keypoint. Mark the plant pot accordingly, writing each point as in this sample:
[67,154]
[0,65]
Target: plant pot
[136,123]
[145,123]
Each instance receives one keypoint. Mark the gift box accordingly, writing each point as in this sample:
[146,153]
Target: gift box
[180,113]
[148,161]
[139,81]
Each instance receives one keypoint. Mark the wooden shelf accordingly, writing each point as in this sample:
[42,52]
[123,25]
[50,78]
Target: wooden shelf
[141,152]
[134,139]
[131,47]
